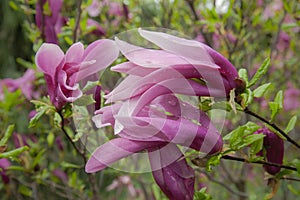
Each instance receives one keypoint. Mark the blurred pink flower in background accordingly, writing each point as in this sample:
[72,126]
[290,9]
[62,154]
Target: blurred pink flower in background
[123,182]
[24,83]
[97,29]
[4,164]
[291,98]
[49,21]
[95,8]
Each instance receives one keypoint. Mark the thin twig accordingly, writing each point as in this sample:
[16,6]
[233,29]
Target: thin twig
[40,4]
[69,138]
[290,179]
[77,23]
[247,111]
[238,193]
[91,177]
[227,157]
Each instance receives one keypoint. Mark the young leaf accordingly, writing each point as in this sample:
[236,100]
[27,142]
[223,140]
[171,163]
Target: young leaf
[14,153]
[90,85]
[277,105]
[85,100]
[290,125]
[231,100]
[274,110]
[260,72]
[7,135]
[244,75]
[259,92]
[279,99]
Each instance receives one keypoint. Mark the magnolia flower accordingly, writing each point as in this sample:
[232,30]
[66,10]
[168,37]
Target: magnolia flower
[147,115]
[24,83]
[64,71]
[49,21]
[274,148]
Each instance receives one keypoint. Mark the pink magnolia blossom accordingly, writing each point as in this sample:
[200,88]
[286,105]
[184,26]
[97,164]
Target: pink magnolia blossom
[274,148]
[24,83]
[50,21]
[147,115]
[64,71]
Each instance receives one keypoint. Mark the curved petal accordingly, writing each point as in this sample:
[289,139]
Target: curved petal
[48,58]
[75,53]
[191,50]
[181,131]
[114,150]
[104,52]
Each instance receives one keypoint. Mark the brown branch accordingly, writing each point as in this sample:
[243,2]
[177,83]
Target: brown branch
[91,177]
[238,193]
[288,138]
[41,6]
[227,157]
[77,23]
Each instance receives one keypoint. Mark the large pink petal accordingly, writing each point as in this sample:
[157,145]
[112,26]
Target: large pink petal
[114,150]
[48,58]
[75,53]
[178,131]
[103,52]
[191,50]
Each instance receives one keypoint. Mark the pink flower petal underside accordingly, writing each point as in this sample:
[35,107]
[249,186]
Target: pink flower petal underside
[114,150]
[191,50]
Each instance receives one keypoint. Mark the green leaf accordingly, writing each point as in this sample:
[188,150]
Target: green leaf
[42,107]
[237,138]
[50,139]
[35,119]
[38,158]
[85,100]
[232,101]
[244,75]
[13,5]
[251,139]
[14,153]
[26,191]
[256,147]
[277,105]
[279,99]
[274,110]
[213,161]
[202,195]
[290,125]
[90,85]
[259,92]
[260,72]
[7,135]
[70,165]
[250,97]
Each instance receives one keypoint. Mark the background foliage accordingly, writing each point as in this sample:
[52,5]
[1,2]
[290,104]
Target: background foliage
[246,32]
